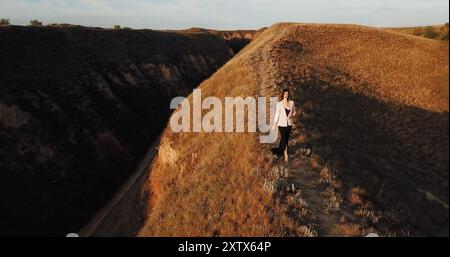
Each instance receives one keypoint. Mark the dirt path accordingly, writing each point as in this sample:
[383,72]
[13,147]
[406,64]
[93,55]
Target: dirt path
[301,173]
[307,179]
[107,216]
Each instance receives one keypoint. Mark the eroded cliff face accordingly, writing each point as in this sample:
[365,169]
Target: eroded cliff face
[235,39]
[240,34]
[78,109]
[239,39]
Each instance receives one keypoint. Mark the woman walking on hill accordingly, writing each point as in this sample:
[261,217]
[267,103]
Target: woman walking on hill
[285,111]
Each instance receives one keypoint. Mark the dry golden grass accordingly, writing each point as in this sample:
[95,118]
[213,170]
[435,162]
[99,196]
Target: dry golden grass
[215,184]
[400,68]
[325,174]
[343,76]
[349,230]
[315,164]
[376,105]
[441,31]
[355,196]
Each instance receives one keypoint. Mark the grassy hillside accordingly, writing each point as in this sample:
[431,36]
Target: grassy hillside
[373,105]
[215,182]
[439,32]
[78,109]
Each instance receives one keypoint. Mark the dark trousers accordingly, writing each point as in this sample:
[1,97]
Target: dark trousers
[284,141]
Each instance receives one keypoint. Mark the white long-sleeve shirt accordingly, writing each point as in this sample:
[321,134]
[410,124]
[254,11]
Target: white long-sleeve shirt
[281,119]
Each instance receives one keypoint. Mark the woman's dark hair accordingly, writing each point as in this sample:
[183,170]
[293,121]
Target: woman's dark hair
[283,92]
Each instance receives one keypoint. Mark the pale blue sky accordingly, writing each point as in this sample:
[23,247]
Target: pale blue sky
[225,14]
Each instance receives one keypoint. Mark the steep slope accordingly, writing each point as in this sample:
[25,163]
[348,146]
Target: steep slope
[78,109]
[374,106]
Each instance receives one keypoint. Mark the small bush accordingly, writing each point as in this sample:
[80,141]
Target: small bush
[445,37]
[4,22]
[300,200]
[279,171]
[307,231]
[35,23]
[117,27]
[430,32]
[62,25]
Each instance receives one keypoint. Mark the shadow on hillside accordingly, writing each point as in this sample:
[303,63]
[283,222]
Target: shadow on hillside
[391,150]
[237,44]
[96,99]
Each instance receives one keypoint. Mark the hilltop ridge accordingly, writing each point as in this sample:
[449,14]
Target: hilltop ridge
[373,105]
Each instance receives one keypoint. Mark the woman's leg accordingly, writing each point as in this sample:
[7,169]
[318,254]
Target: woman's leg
[279,150]
[282,131]
[283,141]
[287,134]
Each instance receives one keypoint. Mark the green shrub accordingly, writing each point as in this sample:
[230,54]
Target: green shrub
[445,37]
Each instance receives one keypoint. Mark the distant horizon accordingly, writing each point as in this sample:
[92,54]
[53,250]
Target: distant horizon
[226,29]
[224,14]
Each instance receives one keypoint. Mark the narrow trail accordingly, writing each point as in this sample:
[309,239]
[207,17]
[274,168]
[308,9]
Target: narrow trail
[301,172]
[307,179]
[126,190]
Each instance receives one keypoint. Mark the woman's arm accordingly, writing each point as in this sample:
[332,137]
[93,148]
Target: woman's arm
[293,112]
